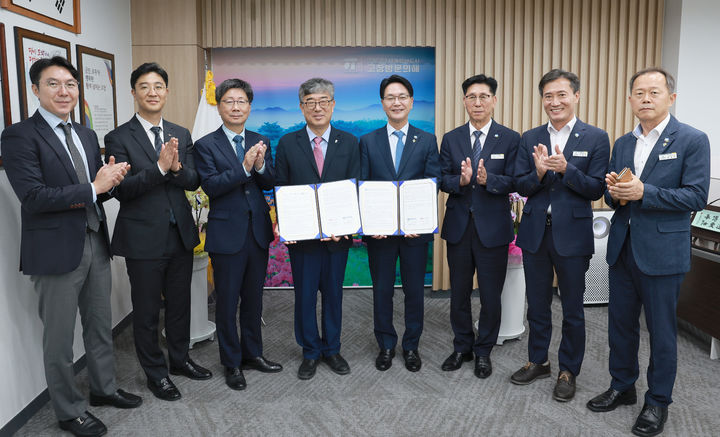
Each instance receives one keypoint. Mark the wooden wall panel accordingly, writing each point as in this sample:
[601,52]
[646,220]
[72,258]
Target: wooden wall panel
[515,41]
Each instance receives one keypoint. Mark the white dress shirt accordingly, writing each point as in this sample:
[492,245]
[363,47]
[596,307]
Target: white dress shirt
[644,144]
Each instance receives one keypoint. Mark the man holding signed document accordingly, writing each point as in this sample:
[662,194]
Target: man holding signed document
[317,153]
[396,152]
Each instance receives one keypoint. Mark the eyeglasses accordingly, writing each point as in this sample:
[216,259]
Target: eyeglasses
[311,104]
[472,98]
[231,103]
[640,94]
[55,85]
[402,98]
[145,88]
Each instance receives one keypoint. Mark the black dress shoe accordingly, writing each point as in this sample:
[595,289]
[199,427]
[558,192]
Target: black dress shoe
[651,421]
[384,359]
[412,360]
[611,399]
[164,389]
[86,425]
[338,364]
[455,360]
[234,378]
[191,370]
[564,387]
[307,368]
[483,366]
[530,372]
[261,364]
[119,399]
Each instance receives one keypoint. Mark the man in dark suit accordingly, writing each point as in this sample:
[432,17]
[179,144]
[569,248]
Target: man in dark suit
[314,154]
[398,151]
[55,169]
[560,180]
[155,231]
[235,165]
[477,167]
[649,244]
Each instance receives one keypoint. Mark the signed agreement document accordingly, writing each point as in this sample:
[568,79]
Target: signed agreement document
[398,207]
[338,206]
[311,212]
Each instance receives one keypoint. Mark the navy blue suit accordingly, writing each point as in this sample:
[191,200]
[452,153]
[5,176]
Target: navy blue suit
[239,232]
[478,228]
[419,160]
[649,253]
[567,244]
[317,265]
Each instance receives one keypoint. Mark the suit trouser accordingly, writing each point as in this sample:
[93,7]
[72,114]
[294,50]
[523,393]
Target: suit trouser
[631,290]
[316,270]
[150,280]
[538,285]
[60,296]
[239,278]
[464,259]
[382,258]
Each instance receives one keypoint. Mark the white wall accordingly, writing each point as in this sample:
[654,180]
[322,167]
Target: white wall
[106,27]
[690,51]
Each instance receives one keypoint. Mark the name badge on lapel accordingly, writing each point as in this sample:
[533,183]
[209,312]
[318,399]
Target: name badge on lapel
[497,156]
[580,153]
[666,156]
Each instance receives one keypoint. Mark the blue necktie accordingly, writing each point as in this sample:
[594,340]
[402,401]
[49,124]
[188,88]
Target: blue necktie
[477,149]
[239,149]
[398,149]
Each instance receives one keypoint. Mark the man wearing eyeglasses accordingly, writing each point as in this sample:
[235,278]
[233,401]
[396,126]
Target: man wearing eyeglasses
[318,153]
[55,168]
[398,151]
[477,162]
[561,168]
[155,231]
[235,166]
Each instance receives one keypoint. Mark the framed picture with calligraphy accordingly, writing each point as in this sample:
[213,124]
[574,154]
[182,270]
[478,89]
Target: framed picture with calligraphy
[98,108]
[29,47]
[64,14]
[4,90]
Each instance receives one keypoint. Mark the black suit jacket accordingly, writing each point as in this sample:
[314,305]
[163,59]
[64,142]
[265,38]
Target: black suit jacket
[234,196]
[295,165]
[489,204]
[146,196]
[419,160]
[53,201]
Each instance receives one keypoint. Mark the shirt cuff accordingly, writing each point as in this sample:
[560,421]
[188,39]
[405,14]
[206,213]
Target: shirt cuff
[262,169]
[94,194]
[161,170]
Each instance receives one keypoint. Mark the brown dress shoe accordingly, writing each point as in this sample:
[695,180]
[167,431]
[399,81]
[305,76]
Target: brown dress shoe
[530,372]
[564,387]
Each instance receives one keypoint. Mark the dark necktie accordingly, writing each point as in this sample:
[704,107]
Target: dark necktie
[477,149]
[93,220]
[158,140]
[398,149]
[239,149]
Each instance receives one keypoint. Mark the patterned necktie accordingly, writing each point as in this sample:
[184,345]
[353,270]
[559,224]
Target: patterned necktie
[158,140]
[239,149]
[317,153]
[93,220]
[477,149]
[398,149]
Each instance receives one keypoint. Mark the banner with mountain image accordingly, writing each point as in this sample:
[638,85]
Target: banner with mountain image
[276,74]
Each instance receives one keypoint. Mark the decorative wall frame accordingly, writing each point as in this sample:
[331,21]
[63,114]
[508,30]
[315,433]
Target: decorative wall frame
[98,102]
[64,14]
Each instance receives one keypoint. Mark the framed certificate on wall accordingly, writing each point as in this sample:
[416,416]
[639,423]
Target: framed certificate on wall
[64,14]
[29,47]
[98,109]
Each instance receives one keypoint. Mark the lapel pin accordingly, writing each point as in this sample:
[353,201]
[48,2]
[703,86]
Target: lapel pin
[577,134]
[414,138]
[336,141]
[496,135]
[665,141]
